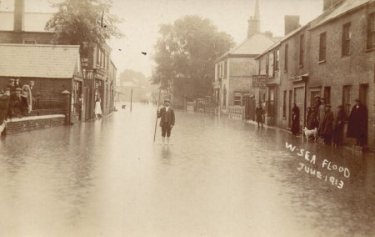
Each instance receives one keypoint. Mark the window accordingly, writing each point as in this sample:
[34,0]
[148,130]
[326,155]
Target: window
[322,46]
[346,34]
[286,58]
[346,98]
[237,98]
[371,31]
[277,59]
[284,104]
[260,66]
[267,64]
[217,71]
[301,49]
[271,69]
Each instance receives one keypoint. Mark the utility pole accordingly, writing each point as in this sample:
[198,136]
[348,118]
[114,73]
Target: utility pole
[131,99]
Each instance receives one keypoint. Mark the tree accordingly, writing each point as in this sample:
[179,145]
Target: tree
[134,77]
[185,55]
[78,21]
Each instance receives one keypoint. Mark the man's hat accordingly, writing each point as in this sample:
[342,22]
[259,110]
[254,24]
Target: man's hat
[11,79]
[317,96]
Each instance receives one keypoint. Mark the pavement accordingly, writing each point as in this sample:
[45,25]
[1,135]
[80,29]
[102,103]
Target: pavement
[219,177]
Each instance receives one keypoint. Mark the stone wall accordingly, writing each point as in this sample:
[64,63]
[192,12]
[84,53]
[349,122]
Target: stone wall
[26,124]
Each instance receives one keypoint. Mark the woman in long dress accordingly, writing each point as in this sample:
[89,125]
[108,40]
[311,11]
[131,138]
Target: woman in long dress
[295,120]
[98,108]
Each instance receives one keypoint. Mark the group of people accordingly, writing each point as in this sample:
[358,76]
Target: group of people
[15,100]
[330,125]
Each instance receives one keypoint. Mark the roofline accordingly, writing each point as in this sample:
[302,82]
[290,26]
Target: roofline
[357,8]
[42,45]
[276,45]
[229,55]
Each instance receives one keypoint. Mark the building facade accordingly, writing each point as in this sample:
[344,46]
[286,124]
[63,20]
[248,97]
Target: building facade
[99,72]
[234,69]
[333,57]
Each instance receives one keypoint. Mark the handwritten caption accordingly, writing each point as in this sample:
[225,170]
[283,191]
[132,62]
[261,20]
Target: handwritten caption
[324,170]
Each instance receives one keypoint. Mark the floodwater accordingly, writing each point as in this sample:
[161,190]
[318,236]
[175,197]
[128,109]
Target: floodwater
[218,178]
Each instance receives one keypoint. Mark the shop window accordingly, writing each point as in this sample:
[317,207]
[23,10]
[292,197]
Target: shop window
[237,98]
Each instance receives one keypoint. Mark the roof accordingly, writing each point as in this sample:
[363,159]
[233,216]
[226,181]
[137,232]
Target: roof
[343,8]
[319,20]
[254,45]
[43,61]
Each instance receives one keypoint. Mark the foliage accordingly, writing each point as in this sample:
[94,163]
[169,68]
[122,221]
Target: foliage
[134,77]
[78,21]
[185,55]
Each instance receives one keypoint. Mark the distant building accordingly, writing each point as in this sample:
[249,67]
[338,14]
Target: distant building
[234,69]
[99,72]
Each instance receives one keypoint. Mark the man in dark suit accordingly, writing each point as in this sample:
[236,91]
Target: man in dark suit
[358,124]
[167,120]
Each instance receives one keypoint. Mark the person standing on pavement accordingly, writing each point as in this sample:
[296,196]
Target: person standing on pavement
[327,125]
[357,124]
[295,119]
[259,112]
[338,129]
[167,121]
[312,121]
[98,108]
[321,114]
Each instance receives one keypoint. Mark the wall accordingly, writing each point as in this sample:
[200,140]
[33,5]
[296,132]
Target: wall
[19,37]
[33,123]
[288,77]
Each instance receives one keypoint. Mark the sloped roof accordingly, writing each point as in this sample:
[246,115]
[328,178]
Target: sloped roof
[254,45]
[43,61]
[342,9]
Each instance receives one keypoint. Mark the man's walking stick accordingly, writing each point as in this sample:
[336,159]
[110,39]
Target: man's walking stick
[156,120]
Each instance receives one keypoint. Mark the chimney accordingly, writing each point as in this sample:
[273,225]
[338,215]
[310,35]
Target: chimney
[254,21]
[19,8]
[291,23]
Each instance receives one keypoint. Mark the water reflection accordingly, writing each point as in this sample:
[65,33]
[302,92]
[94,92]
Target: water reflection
[219,178]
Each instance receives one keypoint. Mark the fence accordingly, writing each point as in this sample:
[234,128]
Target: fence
[236,112]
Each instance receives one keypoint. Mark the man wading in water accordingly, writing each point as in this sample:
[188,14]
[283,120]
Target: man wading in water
[167,119]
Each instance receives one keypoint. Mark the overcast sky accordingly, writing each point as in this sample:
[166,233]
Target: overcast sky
[143,17]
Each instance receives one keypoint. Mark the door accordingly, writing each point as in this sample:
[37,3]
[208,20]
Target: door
[363,94]
[290,108]
[327,94]
[299,100]
[313,94]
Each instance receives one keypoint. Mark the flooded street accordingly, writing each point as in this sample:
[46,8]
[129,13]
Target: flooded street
[219,178]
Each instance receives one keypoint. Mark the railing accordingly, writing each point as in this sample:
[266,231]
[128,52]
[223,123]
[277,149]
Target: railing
[236,112]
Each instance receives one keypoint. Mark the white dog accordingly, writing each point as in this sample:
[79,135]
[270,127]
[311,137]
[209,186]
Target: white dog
[310,133]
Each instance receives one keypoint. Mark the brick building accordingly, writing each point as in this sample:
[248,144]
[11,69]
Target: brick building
[343,58]
[99,72]
[332,56]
